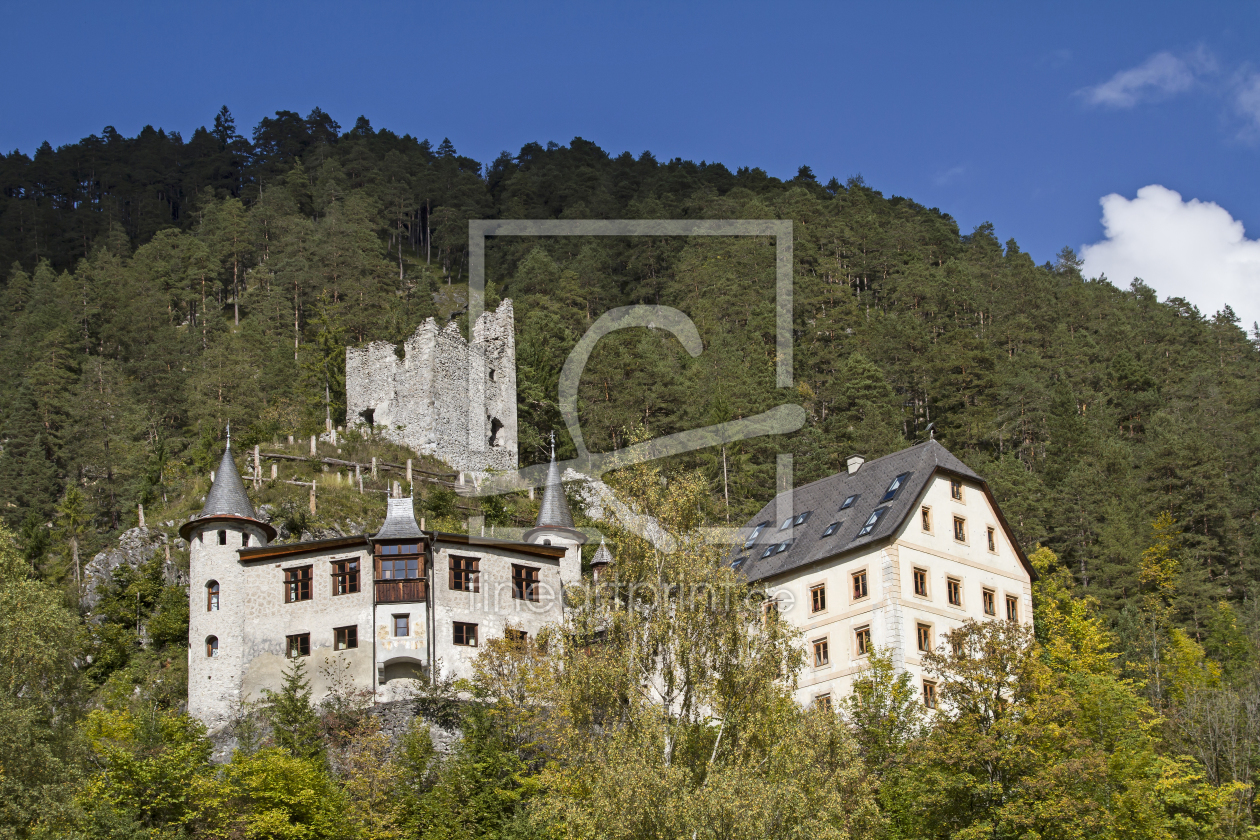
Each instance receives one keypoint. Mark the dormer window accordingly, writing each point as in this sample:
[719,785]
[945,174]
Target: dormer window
[894,488]
[848,503]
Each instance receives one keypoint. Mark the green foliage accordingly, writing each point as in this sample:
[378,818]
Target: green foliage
[295,726]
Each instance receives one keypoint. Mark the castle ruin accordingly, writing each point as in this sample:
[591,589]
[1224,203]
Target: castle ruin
[452,399]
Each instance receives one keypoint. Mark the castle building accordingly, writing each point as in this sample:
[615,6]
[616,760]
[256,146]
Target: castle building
[372,612]
[445,397]
[891,554]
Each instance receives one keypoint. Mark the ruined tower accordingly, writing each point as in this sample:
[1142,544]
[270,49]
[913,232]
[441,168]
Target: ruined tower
[448,398]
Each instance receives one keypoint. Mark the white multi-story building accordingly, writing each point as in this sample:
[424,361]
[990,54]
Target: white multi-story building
[372,612]
[891,554]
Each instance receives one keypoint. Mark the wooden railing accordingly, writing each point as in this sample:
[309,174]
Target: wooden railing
[399,591]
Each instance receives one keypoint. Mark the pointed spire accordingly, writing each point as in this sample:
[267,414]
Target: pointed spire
[400,521]
[554,510]
[603,557]
[227,495]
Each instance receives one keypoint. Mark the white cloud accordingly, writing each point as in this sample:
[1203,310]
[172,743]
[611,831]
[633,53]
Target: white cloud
[1190,249]
[1163,74]
[942,179]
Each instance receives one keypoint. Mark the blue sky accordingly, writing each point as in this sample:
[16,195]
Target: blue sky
[1024,115]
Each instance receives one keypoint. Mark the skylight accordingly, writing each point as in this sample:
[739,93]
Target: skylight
[894,488]
[831,529]
[783,546]
[800,520]
[752,538]
[848,503]
[787,523]
[870,523]
[769,550]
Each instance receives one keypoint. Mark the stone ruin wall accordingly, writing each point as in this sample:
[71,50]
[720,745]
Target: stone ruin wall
[448,398]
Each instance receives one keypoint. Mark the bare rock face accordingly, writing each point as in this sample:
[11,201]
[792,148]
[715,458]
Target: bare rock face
[135,548]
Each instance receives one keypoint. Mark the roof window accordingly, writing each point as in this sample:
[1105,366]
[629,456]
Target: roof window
[783,546]
[831,529]
[769,550]
[752,538]
[787,523]
[870,523]
[738,561]
[894,488]
[802,519]
[848,503]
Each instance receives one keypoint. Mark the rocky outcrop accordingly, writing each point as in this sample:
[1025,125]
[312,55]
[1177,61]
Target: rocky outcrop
[135,548]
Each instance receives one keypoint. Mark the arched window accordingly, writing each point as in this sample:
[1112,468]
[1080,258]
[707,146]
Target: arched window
[212,646]
[212,596]
[223,538]
[546,542]
[244,539]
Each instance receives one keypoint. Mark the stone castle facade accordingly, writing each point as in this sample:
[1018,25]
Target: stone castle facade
[452,399]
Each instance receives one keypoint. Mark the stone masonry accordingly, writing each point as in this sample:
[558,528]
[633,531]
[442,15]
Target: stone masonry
[448,398]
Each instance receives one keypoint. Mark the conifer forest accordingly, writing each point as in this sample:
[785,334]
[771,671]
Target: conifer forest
[155,289]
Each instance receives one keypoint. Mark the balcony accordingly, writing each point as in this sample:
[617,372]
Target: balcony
[400,591]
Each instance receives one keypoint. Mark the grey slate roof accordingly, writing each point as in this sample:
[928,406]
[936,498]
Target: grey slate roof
[554,510]
[400,521]
[227,495]
[822,499]
[603,557]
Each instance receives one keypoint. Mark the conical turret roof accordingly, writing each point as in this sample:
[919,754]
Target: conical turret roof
[603,557]
[554,510]
[227,495]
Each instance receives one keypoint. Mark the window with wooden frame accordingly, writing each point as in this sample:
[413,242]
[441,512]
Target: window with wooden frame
[862,641]
[345,638]
[929,694]
[524,583]
[297,584]
[402,625]
[394,565]
[345,577]
[991,535]
[988,601]
[953,591]
[464,634]
[920,577]
[859,585]
[925,519]
[1012,608]
[212,596]
[515,636]
[822,702]
[955,490]
[960,529]
[212,647]
[298,645]
[818,598]
[769,610]
[465,574]
[923,634]
[822,653]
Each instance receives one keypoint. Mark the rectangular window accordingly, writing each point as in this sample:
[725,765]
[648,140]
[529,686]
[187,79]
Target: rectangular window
[989,602]
[402,625]
[244,539]
[297,584]
[516,636]
[953,591]
[859,585]
[752,538]
[1012,608]
[398,568]
[925,519]
[223,538]
[955,489]
[848,502]
[920,582]
[345,638]
[894,488]
[524,583]
[862,641]
[822,656]
[831,529]
[872,521]
[299,645]
[345,577]
[818,598]
[960,529]
[465,634]
[929,694]
[923,633]
[823,702]
[992,539]
[465,574]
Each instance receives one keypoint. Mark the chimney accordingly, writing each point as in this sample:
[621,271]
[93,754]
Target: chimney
[855,463]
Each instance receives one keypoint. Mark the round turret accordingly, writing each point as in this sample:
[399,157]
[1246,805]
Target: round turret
[554,525]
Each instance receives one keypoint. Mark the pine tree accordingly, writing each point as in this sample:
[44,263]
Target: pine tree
[295,725]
